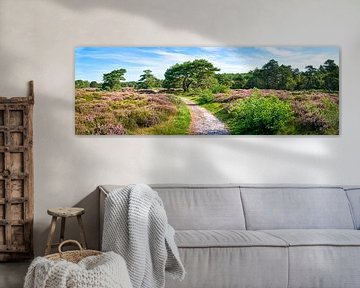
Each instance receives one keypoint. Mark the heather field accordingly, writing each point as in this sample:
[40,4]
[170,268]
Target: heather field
[129,112]
[239,111]
[248,111]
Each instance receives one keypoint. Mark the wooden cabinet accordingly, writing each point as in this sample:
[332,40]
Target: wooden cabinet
[16,177]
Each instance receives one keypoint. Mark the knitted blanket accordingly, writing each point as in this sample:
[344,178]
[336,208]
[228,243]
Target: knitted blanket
[136,227]
[103,271]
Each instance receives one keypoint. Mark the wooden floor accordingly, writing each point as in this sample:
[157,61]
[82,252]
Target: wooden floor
[12,274]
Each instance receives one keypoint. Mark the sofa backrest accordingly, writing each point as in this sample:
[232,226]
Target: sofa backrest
[296,208]
[353,194]
[200,207]
[257,207]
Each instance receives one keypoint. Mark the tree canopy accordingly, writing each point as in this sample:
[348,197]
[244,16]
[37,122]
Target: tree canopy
[331,78]
[201,73]
[94,84]
[148,80]
[112,80]
[82,83]
[275,76]
[196,74]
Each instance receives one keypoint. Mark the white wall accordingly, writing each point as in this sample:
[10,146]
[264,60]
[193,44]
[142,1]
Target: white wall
[37,40]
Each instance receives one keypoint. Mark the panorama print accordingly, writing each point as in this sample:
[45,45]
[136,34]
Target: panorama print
[207,91]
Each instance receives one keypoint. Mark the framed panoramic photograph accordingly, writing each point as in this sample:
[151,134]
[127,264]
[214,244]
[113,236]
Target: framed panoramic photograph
[207,90]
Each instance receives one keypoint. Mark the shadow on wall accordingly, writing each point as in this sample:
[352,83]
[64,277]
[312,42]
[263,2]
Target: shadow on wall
[192,164]
[196,16]
[241,21]
[309,158]
[62,168]
[91,222]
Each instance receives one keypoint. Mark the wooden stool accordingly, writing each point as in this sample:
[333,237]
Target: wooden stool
[64,213]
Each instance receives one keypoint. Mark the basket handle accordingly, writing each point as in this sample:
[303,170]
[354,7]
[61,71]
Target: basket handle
[69,241]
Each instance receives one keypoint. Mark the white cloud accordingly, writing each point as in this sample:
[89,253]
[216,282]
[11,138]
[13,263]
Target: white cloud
[211,49]
[281,52]
[174,56]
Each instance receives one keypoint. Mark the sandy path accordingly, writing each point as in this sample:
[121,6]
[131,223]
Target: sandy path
[203,122]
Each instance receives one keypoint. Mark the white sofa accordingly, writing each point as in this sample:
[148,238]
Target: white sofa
[263,236]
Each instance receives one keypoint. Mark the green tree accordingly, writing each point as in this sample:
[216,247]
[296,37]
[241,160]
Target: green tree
[331,77]
[231,80]
[197,74]
[129,84]
[94,84]
[82,84]
[271,74]
[226,79]
[148,80]
[286,80]
[312,78]
[238,81]
[275,76]
[112,80]
[255,79]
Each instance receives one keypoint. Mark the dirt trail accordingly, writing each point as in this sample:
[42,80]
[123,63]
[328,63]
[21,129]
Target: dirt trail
[203,122]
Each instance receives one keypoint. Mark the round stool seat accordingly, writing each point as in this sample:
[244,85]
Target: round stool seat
[66,211]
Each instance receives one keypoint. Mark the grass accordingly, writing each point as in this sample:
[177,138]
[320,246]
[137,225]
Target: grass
[175,125]
[218,110]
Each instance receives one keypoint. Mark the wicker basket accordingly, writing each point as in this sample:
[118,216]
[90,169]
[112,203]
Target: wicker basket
[72,256]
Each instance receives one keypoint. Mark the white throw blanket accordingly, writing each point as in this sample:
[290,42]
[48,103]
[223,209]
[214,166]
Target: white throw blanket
[136,227]
[102,271]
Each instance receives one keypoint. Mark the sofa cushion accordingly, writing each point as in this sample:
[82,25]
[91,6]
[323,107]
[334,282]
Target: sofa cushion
[226,238]
[323,258]
[192,208]
[324,266]
[317,237]
[296,208]
[220,267]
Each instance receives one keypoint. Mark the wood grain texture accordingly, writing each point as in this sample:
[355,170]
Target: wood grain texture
[16,177]
[66,211]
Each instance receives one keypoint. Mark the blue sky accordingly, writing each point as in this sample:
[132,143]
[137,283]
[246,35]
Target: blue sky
[92,62]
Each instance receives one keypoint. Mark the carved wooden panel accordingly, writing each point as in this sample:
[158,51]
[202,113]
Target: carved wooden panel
[16,177]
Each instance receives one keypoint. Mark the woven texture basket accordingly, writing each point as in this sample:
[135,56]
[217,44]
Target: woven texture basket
[72,256]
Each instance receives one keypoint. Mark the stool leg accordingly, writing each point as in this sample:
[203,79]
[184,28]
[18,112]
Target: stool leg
[82,232]
[62,230]
[51,235]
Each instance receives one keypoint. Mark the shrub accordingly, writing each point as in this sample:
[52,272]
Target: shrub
[205,96]
[259,115]
[315,117]
[330,112]
[109,129]
[94,84]
[312,122]
[144,117]
[125,112]
[81,84]
[219,88]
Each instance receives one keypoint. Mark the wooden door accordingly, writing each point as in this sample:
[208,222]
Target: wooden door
[16,177]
